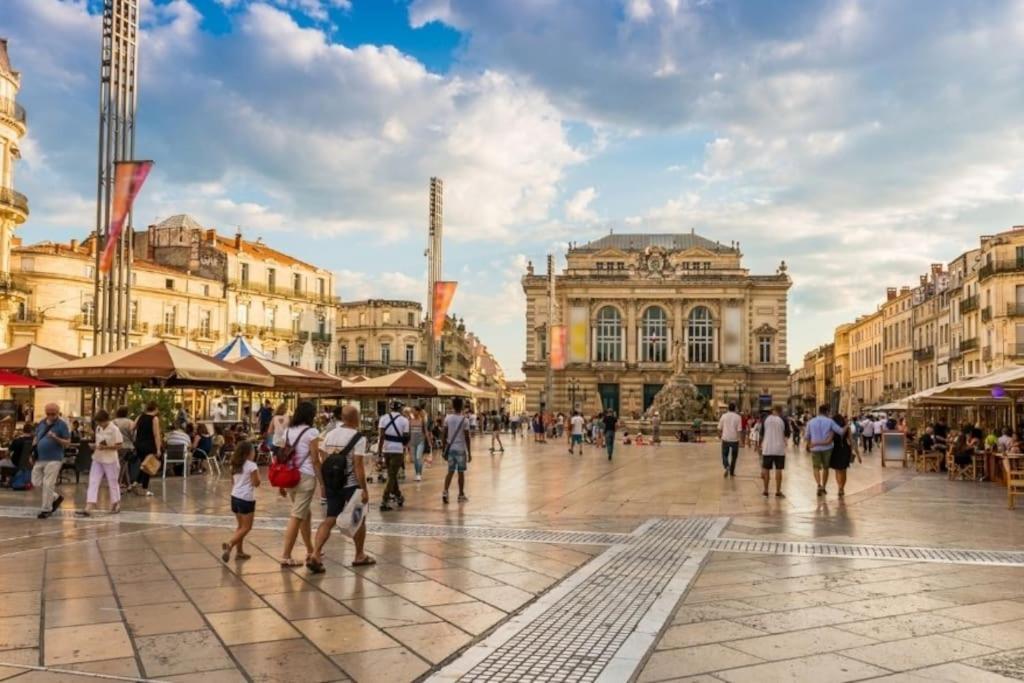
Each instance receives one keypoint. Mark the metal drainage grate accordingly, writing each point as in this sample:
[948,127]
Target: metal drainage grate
[499,534]
[1005,558]
[576,637]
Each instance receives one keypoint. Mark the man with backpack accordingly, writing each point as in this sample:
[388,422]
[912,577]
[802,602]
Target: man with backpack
[343,473]
[394,435]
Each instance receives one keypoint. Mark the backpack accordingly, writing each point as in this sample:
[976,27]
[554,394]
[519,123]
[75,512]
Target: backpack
[334,469]
[281,473]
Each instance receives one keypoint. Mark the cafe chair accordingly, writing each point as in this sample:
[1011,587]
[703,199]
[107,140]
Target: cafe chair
[175,454]
[1013,468]
[956,471]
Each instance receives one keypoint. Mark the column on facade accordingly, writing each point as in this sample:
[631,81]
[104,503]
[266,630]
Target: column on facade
[631,349]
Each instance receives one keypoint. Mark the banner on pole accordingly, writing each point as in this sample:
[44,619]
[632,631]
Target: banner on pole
[128,179]
[579,331]
[444,292]
[558,347]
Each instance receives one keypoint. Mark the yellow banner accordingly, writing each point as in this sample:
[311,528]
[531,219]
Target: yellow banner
[579,330]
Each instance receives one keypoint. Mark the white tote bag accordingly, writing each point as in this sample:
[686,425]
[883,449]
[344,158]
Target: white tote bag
[353,516]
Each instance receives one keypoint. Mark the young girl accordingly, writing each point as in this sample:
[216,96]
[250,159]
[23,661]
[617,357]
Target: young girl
[243,497]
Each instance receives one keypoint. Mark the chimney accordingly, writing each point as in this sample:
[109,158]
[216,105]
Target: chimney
[923,280]
[92,243]
[904,290]
[74,245]
[211,237]
[890,293]
[937,268]
[238,239]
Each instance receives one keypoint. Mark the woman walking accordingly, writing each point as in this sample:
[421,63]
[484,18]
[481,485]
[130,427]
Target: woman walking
[301,438]
[105,463]
[147,442]
[842,454]
[420,438]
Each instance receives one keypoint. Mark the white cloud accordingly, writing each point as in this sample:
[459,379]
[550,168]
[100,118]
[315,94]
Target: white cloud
[353,285]
[578,207]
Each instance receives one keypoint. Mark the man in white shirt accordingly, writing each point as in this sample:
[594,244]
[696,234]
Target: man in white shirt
[394,435]
[879,428]
[340,489]
[867,432]
[729,427]
[773,450]
[578,426]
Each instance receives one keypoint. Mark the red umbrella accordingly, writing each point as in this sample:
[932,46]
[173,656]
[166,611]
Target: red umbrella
[13,379]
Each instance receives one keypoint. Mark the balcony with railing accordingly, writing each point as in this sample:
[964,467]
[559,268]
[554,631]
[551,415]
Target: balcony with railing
[281,333]
[1015,310]
[245,330]
[969,304]
[170,331]
[321,337]
[1000,266]
[274,289]
[345,368]
[986,314]
[202,333]
[14,200]
[12,110]
[83,321]
[925,354]
[28,316]
[969,344]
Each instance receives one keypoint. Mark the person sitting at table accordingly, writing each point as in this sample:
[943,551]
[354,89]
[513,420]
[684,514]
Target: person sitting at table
[927,442]
[230,438]
[76,432]
[178,436]
[202,446]
[1005,441]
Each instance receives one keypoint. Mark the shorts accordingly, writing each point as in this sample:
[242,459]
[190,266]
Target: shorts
[773,461]
[242,507]
[302,496]
[577,438]
[457,461]
[337,500]
[820,459]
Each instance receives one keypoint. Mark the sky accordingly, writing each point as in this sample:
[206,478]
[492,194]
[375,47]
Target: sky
[859,141]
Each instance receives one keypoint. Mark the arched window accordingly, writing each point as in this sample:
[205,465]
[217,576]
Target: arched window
[700,336]
[609,335]
[654,335]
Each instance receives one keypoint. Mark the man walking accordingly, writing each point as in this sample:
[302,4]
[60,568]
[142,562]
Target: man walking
[578,425]
[456,449]
[495,427]
[820,432]
[344,475]
[611,423]
[394,435]
[730,425]
[775,433]
[52,437]
[867,432]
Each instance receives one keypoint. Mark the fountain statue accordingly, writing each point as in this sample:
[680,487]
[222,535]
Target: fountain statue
[679,400]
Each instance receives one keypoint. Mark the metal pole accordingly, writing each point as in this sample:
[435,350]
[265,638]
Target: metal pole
[550,379]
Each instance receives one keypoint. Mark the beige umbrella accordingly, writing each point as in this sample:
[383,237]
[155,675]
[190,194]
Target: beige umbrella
[288,378]
[27,359]
[475,392]
[159,364]
[405,383]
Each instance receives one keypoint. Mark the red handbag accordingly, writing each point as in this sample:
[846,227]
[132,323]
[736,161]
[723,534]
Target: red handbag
[282,474]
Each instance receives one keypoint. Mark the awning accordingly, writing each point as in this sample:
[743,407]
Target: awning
[409,383]
[27,359]
[157,364]
[474,391]
[286,378]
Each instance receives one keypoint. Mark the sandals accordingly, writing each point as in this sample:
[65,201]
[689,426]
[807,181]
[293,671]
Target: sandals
[226,555]
[288,563]
[315,566]
[83,513]
[243,556]
[365,562]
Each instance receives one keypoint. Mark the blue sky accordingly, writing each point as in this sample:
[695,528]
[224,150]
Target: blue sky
[858,140]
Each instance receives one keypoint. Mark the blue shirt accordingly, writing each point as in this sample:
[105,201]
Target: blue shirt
[818,429]
[47,449]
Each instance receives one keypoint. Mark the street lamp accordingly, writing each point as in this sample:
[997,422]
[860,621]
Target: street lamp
[740,388]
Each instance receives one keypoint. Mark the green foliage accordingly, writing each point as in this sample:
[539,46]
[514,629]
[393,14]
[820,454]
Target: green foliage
[139,396]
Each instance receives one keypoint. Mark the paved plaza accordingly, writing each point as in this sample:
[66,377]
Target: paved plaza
[560,568]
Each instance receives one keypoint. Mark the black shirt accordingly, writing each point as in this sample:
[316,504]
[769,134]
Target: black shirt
[610,421]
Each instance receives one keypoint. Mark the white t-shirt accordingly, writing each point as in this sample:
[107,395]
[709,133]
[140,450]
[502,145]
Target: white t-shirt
[867,428]
[300,437]
[577,425]
[337,440]
[773,437]
[456,434]
[400,427]
[879,426]
[730,425]
[278,426]
[113,437]
[243,488]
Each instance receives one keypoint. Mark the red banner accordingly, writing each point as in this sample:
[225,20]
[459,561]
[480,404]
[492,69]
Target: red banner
[558,339]
[128,179]
[444,292]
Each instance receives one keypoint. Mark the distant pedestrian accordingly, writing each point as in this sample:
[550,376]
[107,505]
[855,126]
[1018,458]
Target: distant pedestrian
[495,425]
[105,463]
[245,477]
[611,424]
[775,435]
[818,439]
[420,438]
[52,437]
[456,449]
[265,415]
[730,428]
[656,428]
[578,425]
[842,454]
[867,430]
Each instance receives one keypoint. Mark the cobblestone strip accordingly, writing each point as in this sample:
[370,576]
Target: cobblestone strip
[1002,558]
[598,623]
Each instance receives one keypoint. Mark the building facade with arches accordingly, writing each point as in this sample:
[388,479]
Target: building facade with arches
[638,307]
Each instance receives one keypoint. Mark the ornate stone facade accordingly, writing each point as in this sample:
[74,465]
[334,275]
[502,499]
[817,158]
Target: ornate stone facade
[640,307]
[13,204]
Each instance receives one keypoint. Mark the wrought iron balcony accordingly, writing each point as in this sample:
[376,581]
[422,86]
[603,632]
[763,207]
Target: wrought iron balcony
[170,331]
[13,110]
[357,368]
[27,317]
[969,344]
[986,314]
[247,330]
[11,283]
[283,292]
[321,337]
[1000,266]
[927,353]
[969,304]
[14,200]
[282,333]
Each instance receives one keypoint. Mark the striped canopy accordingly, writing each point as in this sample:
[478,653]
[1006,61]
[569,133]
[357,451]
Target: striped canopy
[239,348]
